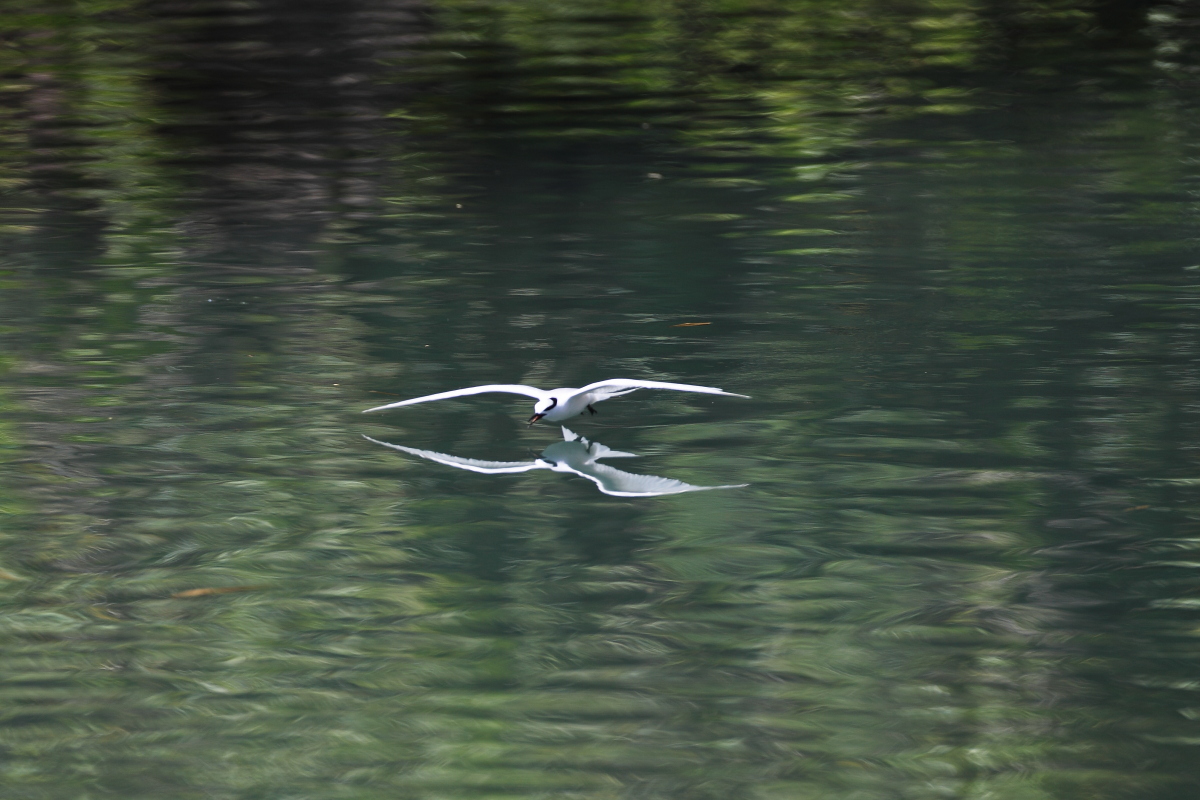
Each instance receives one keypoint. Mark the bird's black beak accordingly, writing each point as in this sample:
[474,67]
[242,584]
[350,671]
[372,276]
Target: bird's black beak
[535,418]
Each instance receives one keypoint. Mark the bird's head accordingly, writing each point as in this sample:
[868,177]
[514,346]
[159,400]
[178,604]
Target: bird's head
[542,407]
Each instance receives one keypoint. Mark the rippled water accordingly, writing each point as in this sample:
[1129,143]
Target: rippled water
[949,251]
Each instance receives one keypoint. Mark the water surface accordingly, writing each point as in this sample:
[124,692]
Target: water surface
[950,255]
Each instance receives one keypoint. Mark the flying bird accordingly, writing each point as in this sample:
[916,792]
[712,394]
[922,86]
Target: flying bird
[576,455]
[557,405]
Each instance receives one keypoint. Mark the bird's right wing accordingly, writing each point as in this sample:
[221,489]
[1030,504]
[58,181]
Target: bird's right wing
[474,465]
[619,483]
[615,387]
[508,388]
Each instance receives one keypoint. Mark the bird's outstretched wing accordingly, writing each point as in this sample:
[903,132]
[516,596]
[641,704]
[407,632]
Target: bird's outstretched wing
[619,483]
[603,390]
[508,388]
[474,465]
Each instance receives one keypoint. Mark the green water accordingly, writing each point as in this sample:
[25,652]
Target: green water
[948,249]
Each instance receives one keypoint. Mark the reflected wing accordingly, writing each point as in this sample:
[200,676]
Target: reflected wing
[616,387]
[595,449]
[507,388]
[625,484]
[474,465]
[600,451]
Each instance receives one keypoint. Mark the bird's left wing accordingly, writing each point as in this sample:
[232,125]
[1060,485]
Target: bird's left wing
[602,390]
[619,483]
[472,464]
[507,388]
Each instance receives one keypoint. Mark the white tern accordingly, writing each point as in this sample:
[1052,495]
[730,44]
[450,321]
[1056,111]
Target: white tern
[557,405]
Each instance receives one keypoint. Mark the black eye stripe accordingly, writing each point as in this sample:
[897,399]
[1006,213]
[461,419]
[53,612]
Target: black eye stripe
[553,403]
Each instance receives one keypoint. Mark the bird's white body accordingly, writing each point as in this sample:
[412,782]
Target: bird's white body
[577,456]
[561,404]
[571,403]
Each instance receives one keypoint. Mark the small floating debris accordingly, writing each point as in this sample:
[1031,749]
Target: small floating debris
[211,590]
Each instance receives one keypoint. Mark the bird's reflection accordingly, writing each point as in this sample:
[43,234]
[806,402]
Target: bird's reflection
[577,455]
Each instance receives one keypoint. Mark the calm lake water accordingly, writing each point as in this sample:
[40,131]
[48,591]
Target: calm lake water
[948,249]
